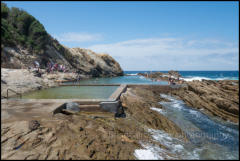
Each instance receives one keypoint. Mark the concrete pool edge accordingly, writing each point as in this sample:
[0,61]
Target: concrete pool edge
[111,104]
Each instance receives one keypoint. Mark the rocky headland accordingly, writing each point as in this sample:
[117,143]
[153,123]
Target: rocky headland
[24,40]
[17,75]
[82,61]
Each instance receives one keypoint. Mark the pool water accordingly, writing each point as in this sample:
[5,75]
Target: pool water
[72,92]
[89,92]
[135,79]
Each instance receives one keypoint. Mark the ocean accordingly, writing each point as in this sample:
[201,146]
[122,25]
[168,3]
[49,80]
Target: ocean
[131,77]
[199,75]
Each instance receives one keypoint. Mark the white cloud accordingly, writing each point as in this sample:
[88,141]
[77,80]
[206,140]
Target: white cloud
[172,53]
[78,37]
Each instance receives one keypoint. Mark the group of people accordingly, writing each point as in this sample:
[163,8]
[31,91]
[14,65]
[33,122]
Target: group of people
[51,67]
[55,67]
[173,81]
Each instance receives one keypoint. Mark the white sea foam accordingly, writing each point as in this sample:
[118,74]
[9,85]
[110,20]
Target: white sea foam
[207,78]
[174,148]
[196,78]
[177,105]
[194,112]
[142,77]
[152,152]
[227,78]
[174,103]
[158,110]
[167,97]
[145,154]
[132,74]
[165,75]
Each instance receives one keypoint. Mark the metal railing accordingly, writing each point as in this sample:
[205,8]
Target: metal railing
[14,92]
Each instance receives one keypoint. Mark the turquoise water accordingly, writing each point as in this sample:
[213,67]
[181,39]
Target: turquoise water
[72,92]
[131,77]
[89,92]
[198,75]
[135,79]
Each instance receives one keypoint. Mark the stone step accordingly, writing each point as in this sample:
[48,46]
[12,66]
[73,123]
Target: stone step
[89,106]
[88,102]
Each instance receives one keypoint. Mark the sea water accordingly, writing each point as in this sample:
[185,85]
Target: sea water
[209,138]
[199,75]
[132,77]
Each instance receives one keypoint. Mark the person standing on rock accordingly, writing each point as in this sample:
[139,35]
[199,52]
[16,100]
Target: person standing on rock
[49,67]
[36,64]
[169,80]
[63,68]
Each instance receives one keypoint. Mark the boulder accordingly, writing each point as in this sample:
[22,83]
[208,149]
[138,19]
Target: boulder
[72,106]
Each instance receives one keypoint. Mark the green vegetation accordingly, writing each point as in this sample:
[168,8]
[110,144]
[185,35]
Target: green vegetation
[20,28]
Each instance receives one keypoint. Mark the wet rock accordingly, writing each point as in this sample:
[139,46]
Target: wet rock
[72,106]
[120,112]
[218,98]
[137,103]
[161,76]
[174,73]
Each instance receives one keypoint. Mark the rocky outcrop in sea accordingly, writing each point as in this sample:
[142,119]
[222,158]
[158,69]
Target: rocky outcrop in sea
[215,98]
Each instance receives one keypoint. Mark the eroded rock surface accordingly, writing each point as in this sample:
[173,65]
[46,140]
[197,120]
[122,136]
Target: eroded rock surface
[85,135]
[217,98]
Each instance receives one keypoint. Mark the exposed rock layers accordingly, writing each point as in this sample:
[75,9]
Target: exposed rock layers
[217,98]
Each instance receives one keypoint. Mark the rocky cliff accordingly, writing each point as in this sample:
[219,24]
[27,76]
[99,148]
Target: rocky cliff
[83,61]
[24,40]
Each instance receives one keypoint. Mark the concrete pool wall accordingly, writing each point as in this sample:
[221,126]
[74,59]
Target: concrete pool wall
[111,104]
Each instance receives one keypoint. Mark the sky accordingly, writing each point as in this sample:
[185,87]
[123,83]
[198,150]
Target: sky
[147,35]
